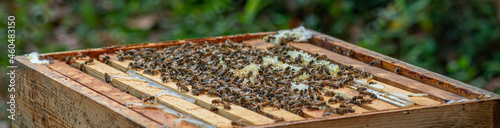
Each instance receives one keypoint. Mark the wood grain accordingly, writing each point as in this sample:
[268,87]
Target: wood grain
[141,89]
[45,98]
[466,114]
[115,94]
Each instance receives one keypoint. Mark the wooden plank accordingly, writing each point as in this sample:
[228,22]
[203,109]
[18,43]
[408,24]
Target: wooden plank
[414,86]
[235,113]
[466,114]
[115,94]
[319,113]
[408,71]
[375,105]
[420,100]
[141,89]
[45,98]
[98,51]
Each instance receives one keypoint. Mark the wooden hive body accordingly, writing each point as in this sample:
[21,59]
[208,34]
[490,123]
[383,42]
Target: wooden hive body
[61,96]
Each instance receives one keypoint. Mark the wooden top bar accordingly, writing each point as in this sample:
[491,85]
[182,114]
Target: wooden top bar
[115,94]
[141,88]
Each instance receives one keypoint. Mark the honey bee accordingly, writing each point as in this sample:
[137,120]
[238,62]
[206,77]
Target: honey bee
[276,106]
[89,61]
[182,87]
[79,55]
[226,105]
[322,56]
[195,92]
[106,59]
[311,107]
[320,98]
[366,100]
[82,67]
[280,119]
[397,70]
[351,110]
[212,93]
[165,79]
[74,65]
[338,50]
[332,101]
[149,98]
[69,59]
[373,96]
[297,111]
[107,78]
[350,53]
[357,97]
[375,63]
[214,109]
[238,123]
[321,103]
[330,93]
[216,101]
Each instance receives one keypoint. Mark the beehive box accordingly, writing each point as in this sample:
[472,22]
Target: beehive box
[59,95]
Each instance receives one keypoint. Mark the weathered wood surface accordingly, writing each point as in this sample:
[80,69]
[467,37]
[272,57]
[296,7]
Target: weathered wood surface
[141,89]
[235,113]
[465,114]
[407,70]
[97,51]
[45,98]
[115,94]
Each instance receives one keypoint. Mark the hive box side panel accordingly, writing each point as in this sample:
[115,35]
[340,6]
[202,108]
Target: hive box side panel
[117,95]
[45,98]
[471,114]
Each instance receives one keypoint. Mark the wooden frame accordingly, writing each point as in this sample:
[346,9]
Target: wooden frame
[479,109]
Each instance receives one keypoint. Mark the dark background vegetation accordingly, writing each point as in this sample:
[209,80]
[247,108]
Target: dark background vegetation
[459,38]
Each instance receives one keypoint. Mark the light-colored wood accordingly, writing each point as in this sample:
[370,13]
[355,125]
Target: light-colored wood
[375,105]
[115,94]
[235,113]
[418,100]
[45,98]
[141,88]
[360,65]
[319,113]
[469,114]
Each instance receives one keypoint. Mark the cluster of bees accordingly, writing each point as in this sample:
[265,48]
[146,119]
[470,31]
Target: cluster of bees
[208,69]
[72,59]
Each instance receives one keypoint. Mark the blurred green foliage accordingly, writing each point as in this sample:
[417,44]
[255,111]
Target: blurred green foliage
[459,39]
